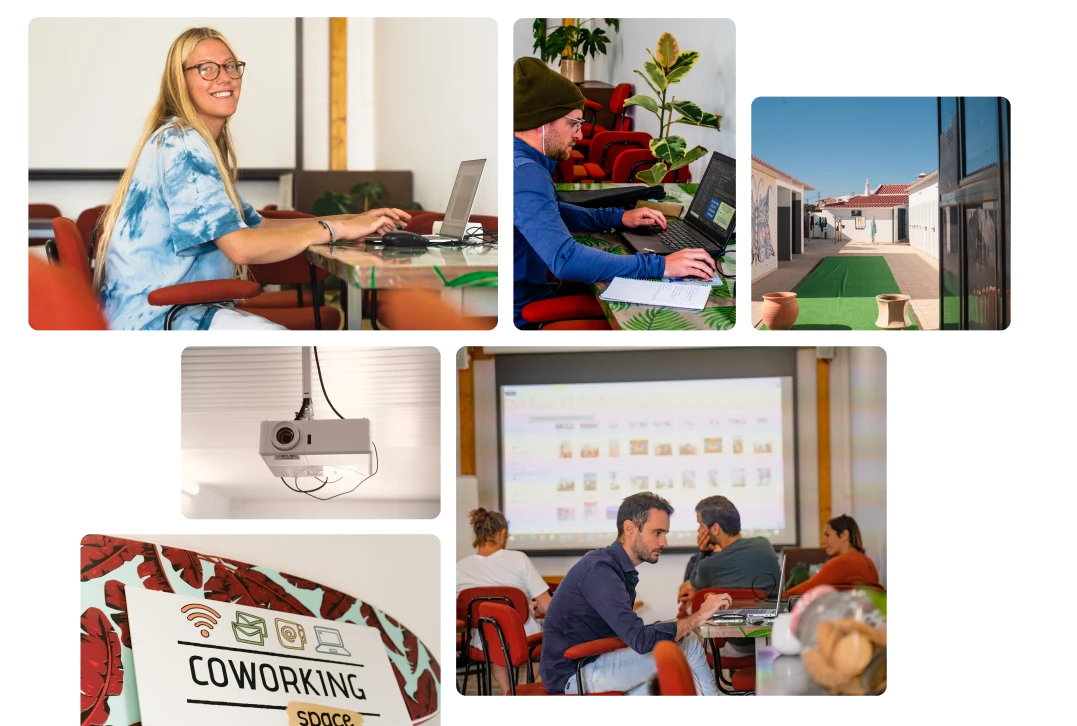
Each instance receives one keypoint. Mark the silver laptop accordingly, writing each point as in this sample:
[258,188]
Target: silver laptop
[453,227]
[738,615]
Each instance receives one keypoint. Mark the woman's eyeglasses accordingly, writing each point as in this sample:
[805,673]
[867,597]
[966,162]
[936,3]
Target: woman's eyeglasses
[210,70]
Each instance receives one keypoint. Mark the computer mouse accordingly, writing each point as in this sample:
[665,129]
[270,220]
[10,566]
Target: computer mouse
[404,239]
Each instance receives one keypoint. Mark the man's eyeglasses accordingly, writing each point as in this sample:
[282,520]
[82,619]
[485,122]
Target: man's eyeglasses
[574,124]
[210,70]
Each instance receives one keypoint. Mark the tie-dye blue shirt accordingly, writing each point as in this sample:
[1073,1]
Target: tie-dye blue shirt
[175,209]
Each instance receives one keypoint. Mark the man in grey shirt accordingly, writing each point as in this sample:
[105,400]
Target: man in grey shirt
[727,559]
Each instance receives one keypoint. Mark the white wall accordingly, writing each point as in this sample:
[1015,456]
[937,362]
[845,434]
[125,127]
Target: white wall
[392,99]
[858,463]
[711,83]
[885,223]
[381,509]
[924,220]
[764,220]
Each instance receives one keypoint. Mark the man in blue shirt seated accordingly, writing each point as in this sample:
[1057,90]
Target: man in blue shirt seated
[595,600]
[547,117]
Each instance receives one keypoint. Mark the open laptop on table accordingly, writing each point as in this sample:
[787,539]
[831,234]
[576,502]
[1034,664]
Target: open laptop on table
[453,227]
[753,615]
[709,223]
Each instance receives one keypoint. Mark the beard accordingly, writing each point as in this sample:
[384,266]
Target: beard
[558,149]
[643,552]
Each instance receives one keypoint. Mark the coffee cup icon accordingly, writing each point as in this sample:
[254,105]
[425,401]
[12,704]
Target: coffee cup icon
[290,634]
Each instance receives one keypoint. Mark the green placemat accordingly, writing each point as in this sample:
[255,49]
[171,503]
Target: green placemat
[839,294]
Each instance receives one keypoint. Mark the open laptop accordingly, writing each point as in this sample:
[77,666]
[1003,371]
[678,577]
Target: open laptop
[709,223]
[453,227]
[738,615]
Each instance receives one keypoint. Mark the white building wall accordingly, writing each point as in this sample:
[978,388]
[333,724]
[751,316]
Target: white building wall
[764,231]
[924,220]
[885,224]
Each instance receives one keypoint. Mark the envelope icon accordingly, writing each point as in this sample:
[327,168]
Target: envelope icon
[249,629]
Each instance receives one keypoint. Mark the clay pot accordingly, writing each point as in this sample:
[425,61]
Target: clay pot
[780,310]
[893,312]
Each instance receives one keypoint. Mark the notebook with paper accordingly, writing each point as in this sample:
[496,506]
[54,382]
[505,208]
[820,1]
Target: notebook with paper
[651,292]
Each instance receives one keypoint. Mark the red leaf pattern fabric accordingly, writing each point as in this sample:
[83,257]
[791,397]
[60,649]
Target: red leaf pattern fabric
[371,619]
[335,603]
[101,555]
[152,570]
[116,599]
[300,582]
[425,701]
[187,563]
[247,586]
[102,670]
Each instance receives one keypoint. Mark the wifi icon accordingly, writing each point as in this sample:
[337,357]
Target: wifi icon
[202,617]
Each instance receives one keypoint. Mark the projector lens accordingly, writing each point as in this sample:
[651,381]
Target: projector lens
[285,436]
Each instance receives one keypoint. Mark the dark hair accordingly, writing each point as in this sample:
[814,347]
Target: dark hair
[486,525]
[637,508]
[718,509]
[846,523]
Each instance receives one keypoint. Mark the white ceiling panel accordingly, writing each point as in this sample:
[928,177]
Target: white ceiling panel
[228,392]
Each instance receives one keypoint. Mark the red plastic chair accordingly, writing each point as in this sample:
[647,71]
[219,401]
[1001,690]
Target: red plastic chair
[584,653]
[674,673]
[733,665]
[564,307]
[607,146]
[578,325]
[504,643]
[467,610]
[620,94]
[60,299]
[630,162]
[71,252]
[590,128]
[88,222]
[44,211]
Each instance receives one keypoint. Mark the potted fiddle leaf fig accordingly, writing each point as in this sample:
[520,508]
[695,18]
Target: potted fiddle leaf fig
[572,43]
[668,66]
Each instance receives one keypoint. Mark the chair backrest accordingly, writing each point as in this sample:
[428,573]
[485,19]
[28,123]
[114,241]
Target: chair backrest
[674,673]
[628,163]
[620,94]
[61,300]
[503,630]
[470,599]
[737,593]
[293,271]
[423,222]
[606,146]
[71,248]
[44,211]
[87,224]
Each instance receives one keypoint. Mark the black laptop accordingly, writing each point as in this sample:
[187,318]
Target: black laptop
[710,221]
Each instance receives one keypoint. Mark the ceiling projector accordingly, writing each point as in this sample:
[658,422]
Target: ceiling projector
[311,447]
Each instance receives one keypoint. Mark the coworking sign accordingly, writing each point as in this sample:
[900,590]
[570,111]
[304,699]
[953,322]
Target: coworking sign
[244,675]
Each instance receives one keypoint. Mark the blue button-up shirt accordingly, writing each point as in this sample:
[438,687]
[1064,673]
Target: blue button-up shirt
[595,601]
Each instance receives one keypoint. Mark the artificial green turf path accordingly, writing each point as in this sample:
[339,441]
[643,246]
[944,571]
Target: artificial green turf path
[839,294]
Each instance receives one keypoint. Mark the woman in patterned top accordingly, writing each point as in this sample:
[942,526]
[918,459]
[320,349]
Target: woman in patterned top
[177,216]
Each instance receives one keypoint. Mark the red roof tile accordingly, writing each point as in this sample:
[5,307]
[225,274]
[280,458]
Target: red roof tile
[892,189]
[875,200]
[759,161]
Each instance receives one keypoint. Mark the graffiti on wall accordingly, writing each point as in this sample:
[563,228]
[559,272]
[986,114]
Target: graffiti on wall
[763,256]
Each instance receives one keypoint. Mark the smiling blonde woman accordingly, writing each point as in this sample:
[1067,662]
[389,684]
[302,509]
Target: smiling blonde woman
[177,216]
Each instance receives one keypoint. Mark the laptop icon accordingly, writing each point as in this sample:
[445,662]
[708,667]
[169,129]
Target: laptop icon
[755,615]
[329,641]
[711,218]
[464,189]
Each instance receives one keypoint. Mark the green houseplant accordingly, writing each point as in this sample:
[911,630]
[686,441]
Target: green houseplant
[572,43]
[669,65]
[368,193]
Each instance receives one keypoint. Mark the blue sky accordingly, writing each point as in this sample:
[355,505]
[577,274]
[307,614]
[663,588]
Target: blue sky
[833,144]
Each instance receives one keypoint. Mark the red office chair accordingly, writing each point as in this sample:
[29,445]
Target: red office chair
[467,610]
[674,674]
[584,653]
[505,643]
[636,160]
[60,299]
[607,146]
[620,94]
[423,222]
[567,312]
[42,211]
[590,128]
[88,222]
[70,250]
[745,664]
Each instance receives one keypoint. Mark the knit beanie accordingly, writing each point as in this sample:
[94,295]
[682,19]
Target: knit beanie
[540,95]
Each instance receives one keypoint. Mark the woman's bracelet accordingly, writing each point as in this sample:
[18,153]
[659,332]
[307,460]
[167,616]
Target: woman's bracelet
[332,230]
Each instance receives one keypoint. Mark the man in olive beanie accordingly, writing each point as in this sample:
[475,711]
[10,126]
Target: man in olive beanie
[547,116]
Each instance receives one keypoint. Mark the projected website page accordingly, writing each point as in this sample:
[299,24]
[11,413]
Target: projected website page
[572,452]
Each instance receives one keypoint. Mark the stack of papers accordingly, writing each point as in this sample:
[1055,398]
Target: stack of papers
[651,292]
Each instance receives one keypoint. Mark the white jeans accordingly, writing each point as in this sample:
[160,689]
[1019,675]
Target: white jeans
[229,319]
[628,671]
